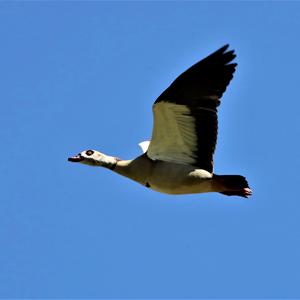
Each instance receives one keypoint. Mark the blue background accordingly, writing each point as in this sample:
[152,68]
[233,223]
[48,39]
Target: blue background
[81,75]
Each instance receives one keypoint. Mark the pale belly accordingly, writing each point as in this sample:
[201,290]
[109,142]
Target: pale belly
[179,179]
[201,187]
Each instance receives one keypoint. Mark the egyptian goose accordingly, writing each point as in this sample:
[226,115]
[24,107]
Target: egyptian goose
[179,157]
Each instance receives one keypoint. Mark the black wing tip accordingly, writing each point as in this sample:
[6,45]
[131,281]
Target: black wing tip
[233,65]
[218,62]
[222,55]
[224,48]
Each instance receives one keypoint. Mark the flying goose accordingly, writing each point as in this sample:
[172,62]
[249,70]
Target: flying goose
[179,157]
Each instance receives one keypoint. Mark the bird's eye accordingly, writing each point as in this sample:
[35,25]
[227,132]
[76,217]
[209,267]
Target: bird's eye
[89,152]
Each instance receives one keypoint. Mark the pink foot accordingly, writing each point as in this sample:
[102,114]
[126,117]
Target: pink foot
[247,192]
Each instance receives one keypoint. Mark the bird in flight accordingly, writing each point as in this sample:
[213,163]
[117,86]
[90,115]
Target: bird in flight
[179,157]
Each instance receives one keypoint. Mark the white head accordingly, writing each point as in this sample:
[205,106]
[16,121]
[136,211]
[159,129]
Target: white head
[94,158]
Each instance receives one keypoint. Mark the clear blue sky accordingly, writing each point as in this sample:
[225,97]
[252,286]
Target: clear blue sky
[80,75]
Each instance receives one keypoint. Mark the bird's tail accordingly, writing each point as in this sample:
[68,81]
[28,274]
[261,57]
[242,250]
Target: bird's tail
[232,185]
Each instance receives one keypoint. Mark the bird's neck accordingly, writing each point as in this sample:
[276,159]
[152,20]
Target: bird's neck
[108,162]
[122,167]
[137,169]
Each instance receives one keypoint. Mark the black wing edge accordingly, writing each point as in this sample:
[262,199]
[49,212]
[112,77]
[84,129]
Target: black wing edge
[216,68]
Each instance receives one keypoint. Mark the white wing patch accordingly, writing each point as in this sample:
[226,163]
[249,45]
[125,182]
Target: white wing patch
[144,145]
[174,136]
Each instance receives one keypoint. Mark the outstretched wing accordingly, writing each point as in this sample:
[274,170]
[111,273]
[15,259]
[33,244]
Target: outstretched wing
[185,114]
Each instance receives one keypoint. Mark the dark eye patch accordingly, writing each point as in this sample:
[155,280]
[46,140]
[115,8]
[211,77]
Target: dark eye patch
[89,152]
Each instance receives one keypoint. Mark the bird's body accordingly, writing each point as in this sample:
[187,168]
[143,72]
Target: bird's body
[179,157]
[166,177]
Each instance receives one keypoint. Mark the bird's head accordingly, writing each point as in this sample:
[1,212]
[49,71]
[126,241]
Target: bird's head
[90,157]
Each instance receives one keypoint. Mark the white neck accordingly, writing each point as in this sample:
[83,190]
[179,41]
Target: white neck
[108,161]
